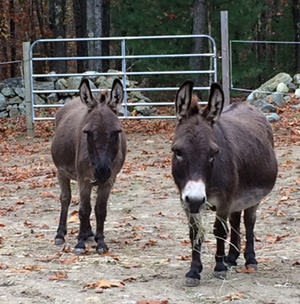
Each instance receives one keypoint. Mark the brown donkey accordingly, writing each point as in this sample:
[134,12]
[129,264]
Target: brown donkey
[89,146]
[226,161]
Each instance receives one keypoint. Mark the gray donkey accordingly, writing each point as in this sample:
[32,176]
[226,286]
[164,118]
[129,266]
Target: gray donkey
[226,159]
[89,146]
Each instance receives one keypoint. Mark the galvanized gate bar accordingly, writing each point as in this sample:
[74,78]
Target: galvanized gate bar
[251,42]
[123,57]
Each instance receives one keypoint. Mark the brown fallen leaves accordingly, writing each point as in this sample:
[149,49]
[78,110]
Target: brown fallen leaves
[50,258]
[235,296]
[101,284]
[3,266]
[26,269]
[185,243]
[154,302]
[74,217]
[58,276]
[149,243]
[275,238]
[245,270]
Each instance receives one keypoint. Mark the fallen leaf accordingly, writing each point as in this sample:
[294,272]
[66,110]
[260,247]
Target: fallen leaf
[246,270]
[73,219]
[50,258]
[235,296]
[58,276]
[69,261]
[108,253]
[184,257]
[154,302]
[104,284]
[149,243]
[20,270]
[185,242]
[162,236]
[67,248]
[3,266]
[33,267]
[129,279]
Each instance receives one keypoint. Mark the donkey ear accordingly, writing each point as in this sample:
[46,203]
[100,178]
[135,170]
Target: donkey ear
[86,94]
[116,95]
[183,99]
[215,104]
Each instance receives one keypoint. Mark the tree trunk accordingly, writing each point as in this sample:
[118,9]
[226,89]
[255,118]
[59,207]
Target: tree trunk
[199,27]
[94,29]
[58,9]
[12,38]
[296,16]
[39,12]
[79,9]
[105,33]
[3,41]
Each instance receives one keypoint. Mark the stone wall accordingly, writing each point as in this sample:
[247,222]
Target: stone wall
[274,93]
[12,92]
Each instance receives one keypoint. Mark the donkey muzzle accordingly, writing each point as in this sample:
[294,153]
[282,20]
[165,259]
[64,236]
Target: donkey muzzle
[102,173]
[193,196]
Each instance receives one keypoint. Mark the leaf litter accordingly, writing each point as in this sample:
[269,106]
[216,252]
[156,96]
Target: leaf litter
[30,192]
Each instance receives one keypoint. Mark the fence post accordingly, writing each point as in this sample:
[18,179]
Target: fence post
[225,57]
[28,96]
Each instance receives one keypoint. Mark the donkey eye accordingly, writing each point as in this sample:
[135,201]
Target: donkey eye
[177,153]
[114,135]
[89,133]
[211,159]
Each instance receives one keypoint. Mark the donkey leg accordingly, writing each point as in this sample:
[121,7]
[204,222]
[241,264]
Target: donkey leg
[220,232]
[101,211]
[235,239]
[249,220]
[65,198]
[85,209]
[193,276]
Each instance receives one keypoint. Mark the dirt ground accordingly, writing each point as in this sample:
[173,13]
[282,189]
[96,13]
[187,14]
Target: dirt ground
[146,232]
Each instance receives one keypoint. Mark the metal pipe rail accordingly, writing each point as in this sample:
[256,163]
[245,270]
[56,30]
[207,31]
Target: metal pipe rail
[124,57]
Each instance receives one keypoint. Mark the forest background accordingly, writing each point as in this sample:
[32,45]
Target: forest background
[269,20]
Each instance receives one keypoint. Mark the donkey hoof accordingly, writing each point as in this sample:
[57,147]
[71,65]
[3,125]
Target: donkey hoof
[79,250]
[59,241]
[101,250]
[220,274]
[192,282]
[252,266]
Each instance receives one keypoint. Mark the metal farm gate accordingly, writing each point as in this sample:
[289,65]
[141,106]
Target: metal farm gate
[31,78]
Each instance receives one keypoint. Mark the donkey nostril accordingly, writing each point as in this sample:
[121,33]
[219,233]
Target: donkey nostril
[102,174]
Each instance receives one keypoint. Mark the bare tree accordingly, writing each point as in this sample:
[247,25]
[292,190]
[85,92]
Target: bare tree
[92,20]
[94,29]
[296,16]
[199,27]
[105,32]
[3,39]
[57,12]
[79,9]
[12,29]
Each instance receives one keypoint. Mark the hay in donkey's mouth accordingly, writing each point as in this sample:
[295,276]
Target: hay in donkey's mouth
[196,221]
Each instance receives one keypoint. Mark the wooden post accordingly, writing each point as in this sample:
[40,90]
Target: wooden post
[28,96]
[225,56]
